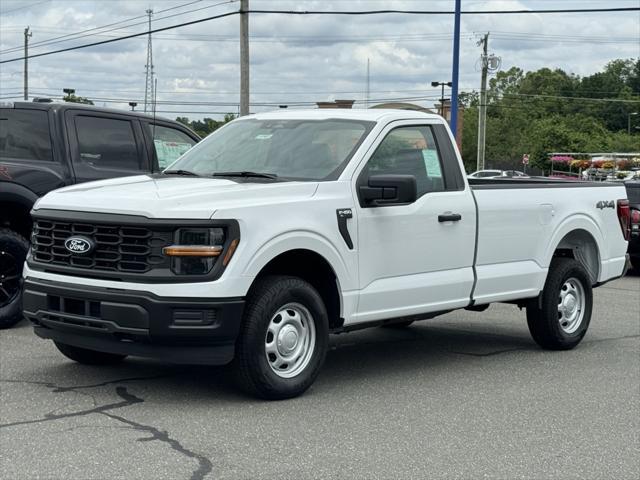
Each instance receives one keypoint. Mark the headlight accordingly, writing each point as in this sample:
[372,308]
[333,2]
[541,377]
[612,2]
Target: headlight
[195,250]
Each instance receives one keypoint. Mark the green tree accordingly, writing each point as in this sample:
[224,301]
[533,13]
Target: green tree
[548,110]
[74,99]
[207,125]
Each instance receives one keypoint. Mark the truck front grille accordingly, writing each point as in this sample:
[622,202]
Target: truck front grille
[129,249]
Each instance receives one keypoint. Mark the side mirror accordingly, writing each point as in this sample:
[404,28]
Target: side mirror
[388,190]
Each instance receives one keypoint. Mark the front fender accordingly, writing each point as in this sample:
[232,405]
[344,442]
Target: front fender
[301,240]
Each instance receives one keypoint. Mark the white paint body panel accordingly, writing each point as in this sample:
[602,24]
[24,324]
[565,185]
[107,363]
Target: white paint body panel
[404,261]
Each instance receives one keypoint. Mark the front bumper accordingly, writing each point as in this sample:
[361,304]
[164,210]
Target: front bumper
[177,330]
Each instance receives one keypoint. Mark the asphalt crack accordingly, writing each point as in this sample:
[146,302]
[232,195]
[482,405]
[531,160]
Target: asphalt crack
[128,400]
[56,388]
[205,466]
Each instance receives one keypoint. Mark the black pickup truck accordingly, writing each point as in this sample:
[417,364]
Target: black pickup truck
[44,146]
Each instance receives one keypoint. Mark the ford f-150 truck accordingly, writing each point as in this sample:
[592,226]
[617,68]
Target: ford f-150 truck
[282,228]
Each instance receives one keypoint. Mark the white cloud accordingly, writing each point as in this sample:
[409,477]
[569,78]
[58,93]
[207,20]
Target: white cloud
[302,58]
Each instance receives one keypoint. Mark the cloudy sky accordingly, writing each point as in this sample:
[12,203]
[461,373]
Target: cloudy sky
[294,59]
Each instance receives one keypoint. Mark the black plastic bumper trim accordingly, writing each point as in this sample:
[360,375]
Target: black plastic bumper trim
[133,322]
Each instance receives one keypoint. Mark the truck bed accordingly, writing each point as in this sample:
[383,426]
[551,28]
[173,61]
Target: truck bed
[521,221]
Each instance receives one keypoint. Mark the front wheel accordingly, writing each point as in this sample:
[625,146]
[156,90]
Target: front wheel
[559,319]
[283,339]
[13,251]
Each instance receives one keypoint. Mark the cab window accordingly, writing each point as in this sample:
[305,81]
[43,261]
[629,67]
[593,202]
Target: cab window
[107,143]
[169,144]
[409,150]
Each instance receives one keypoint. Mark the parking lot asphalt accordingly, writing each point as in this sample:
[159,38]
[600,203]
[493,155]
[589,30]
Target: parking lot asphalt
[465,395]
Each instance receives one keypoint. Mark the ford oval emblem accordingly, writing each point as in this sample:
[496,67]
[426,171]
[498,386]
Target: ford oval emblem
[79,245]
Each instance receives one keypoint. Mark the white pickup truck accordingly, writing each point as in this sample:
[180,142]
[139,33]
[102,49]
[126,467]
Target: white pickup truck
[282,228]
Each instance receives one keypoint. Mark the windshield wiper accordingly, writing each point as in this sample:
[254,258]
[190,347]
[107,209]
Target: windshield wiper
[186,173]
[246,174]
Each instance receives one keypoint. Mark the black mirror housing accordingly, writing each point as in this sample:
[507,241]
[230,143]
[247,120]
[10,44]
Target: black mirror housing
[389,189]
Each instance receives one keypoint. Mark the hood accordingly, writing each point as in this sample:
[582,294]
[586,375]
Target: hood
[171,196]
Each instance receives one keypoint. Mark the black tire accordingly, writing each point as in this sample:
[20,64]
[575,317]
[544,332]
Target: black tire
[399,325]
[13,251]
[543,314]
[635,263]
[253,369]
[88,357]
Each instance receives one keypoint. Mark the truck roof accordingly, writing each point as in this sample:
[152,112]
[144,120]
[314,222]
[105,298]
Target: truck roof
[371,115]
[61,106]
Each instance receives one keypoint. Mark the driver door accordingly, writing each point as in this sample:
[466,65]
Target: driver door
[412,260]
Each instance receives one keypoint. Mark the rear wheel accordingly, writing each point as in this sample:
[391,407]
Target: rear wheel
[559,319]
[283,339]
[13,251]
[88,357]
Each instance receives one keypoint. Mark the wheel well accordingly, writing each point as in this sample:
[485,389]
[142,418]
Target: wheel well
[581,246]
[313,268]
[17,217]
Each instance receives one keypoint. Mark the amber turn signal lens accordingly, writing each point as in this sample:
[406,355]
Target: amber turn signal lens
[230,251]
[192,251]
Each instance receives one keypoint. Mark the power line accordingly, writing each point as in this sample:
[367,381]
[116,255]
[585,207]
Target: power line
[117,39]
[328,39]
[24,7]
[326,12]
[78,35]
[446,12]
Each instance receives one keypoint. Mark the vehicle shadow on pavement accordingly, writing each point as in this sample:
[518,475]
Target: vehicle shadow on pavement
[366,355]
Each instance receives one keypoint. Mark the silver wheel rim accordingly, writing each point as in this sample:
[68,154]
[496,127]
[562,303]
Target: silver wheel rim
[290,340]
[571,305]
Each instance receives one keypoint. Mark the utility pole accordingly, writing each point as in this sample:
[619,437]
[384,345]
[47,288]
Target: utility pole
[27,35]
[244,57]
[148,85]
[482,110]
[368,90]
[453,122]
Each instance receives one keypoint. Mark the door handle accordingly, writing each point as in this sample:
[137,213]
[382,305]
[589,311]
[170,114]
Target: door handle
[449,217]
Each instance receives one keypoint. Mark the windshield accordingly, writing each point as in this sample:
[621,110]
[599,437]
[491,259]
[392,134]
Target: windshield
[290,149]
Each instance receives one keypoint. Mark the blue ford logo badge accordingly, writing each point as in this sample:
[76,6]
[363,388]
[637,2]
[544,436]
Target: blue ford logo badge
[79,245]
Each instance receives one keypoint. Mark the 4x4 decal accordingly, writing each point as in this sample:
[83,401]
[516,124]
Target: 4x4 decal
[602,204]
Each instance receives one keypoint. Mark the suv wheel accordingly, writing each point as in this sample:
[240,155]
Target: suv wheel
[559,319]
[283,339]
[13,251]
[88,357]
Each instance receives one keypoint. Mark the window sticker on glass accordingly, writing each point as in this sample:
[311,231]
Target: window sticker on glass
[264,136]
[168,152]
[432,163]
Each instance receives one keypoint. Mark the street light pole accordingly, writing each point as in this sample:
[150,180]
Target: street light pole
[629,122]
[441,84]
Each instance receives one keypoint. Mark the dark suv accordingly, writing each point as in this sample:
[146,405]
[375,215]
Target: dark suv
[44,146]
[633,194]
